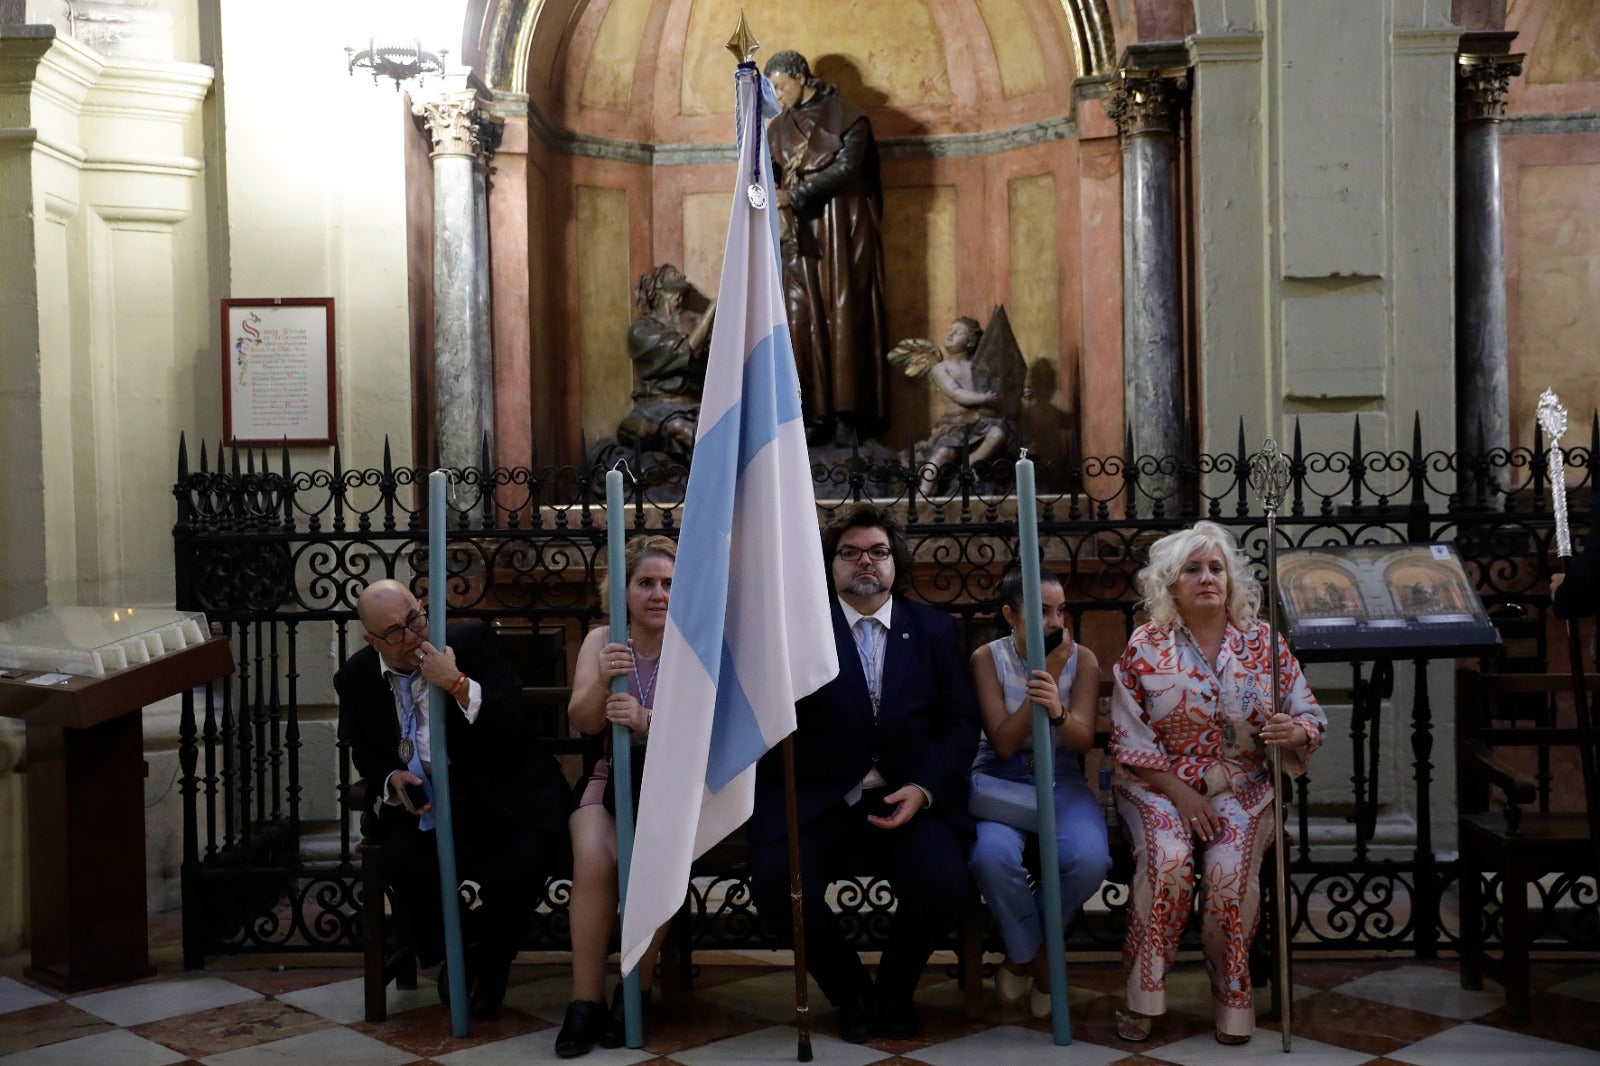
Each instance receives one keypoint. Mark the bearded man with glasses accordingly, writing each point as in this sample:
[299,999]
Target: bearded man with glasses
[882,755]
[509,804]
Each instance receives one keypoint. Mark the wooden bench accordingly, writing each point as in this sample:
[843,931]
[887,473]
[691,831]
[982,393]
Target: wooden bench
[388,956]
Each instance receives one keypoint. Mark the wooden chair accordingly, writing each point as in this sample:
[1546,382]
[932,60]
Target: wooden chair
[1507,730]
[387,953]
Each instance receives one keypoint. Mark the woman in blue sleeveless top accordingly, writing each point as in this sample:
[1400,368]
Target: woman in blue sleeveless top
[1068,688]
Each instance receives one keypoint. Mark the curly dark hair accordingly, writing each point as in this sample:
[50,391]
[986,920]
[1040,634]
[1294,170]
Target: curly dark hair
[868,515]
[791,63]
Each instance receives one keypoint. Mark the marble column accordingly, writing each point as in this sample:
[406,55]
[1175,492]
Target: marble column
[463,376]
[1483,401]
[489,133]
[1146,104]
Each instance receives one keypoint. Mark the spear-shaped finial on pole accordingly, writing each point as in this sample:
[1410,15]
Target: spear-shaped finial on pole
[743,43]
[1553,420]
[1269,477]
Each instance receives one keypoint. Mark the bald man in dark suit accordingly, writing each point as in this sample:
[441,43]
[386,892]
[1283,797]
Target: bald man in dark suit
[509,805]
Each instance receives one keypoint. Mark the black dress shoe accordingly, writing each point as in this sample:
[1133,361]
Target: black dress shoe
[489,990]
[581,1027]
[855,1020]
[899,1020]
[616,1031]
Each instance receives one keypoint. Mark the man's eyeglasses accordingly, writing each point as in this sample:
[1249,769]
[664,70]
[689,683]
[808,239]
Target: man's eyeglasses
[877,553]
[416,622]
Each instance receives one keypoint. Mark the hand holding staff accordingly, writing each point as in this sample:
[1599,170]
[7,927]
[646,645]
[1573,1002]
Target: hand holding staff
[1553,420]
[1269,476]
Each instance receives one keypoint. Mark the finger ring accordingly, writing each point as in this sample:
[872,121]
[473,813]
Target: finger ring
[1194,819]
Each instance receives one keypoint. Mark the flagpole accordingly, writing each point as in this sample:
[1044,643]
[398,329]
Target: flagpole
[622,738]
[743,45]
[1269,475]
[1044,754]
[797,918]
[1553,420]
[443,827]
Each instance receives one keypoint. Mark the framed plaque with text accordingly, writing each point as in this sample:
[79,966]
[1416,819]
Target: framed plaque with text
[277,371]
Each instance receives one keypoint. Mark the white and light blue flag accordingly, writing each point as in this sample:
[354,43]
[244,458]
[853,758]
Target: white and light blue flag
[748,629]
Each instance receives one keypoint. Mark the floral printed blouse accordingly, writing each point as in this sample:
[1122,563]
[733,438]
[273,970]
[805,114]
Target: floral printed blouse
[1171,711]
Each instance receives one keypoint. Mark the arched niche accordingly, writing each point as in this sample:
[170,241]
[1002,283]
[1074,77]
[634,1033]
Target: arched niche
[618,155]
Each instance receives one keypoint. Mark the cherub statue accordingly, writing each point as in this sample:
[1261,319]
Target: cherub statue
[978,381]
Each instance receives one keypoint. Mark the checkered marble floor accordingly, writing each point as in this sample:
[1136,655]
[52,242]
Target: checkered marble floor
[1360,1012]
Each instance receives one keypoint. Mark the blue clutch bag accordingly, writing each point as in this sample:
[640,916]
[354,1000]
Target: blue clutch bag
[994,799]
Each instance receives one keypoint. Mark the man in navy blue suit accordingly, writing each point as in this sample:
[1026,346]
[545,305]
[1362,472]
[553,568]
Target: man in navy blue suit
[882,758]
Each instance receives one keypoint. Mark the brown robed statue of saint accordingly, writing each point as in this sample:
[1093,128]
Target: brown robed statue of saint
[831,202]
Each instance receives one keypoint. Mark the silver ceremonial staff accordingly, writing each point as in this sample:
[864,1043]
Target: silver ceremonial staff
[1269,477]
[1553,420]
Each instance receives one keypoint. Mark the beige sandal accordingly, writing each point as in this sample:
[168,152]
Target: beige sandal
[1133,1027]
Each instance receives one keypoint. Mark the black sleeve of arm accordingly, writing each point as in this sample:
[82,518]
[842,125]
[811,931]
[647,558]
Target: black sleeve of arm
[1579,594]
[950,757]
[367,752]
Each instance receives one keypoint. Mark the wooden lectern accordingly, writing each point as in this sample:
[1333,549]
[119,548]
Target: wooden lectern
[85,768]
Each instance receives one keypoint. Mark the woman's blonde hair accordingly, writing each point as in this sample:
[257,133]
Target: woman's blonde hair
[647,546]
[635,551]
[1167,557]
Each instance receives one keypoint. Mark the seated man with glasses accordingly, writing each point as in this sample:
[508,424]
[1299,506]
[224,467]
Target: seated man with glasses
[508,804]
[882,755]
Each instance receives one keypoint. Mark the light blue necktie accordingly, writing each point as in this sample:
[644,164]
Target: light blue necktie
[408,723]
[869,637]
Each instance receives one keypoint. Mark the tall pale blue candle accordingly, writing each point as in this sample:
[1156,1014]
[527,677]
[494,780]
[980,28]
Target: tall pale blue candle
[621,739]
[438,707]
[1044,751]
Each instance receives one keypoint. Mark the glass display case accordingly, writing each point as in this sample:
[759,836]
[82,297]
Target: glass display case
[95,641]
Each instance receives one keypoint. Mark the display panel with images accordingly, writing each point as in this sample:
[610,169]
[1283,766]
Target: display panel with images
[1380,596]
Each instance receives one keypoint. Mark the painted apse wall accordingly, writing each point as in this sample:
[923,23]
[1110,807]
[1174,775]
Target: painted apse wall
[1550,179]
[629,164]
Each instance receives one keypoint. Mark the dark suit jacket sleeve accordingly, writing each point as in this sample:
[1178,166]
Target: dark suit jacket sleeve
[1579,594]
[946,764]
[367,720]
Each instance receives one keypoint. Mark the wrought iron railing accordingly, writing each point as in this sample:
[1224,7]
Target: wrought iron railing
[277,556]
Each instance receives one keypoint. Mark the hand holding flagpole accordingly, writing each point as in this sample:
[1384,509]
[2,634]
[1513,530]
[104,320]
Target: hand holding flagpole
[621,735]
[1553,420]
[1269,476]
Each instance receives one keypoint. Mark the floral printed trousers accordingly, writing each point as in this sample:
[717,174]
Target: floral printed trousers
[1162,895]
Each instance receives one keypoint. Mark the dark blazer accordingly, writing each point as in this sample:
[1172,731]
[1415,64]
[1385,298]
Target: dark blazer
[493,761]
[926,731]
[1579,594]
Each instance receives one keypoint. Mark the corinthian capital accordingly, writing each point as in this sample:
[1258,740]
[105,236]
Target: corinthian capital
[1484,79]
[452,122]
[1147,101]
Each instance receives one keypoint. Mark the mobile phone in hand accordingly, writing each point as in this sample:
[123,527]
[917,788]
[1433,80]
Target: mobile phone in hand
[417,796]
[1053,639]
